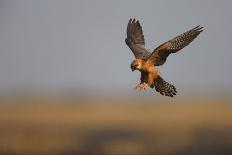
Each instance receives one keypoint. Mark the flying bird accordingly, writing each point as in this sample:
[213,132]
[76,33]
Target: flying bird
[146,60]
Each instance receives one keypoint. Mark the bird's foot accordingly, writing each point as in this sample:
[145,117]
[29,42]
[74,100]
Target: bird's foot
[141,86]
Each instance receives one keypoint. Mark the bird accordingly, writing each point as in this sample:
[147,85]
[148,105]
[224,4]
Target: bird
[146,60]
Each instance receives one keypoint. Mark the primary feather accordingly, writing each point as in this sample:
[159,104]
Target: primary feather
[160,54]
[135,40]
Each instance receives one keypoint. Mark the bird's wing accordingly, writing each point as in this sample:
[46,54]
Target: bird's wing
[160,54]
[135,40]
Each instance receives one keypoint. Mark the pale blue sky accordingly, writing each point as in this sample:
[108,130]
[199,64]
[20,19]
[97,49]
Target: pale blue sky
[57,44]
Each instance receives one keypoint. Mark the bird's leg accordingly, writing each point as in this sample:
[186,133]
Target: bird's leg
[150,79]
[144,86]
[145,80]
[141,86]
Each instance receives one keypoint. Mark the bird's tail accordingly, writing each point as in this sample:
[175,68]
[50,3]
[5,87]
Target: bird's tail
[163,87]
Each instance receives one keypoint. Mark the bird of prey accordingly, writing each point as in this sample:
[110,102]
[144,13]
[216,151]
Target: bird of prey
[146,60]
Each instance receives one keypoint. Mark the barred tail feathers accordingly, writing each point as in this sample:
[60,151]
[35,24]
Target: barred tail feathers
[163,87]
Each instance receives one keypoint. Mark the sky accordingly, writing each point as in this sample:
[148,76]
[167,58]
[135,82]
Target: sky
[65,44]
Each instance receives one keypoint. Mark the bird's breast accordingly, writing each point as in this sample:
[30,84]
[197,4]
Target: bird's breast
[150,68]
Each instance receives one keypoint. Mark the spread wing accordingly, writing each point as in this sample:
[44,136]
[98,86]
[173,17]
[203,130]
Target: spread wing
[160,54]
[135,40]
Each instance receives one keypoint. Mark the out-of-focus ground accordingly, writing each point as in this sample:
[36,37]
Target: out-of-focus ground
[115,126]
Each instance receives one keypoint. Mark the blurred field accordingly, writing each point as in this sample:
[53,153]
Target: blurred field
[115,126]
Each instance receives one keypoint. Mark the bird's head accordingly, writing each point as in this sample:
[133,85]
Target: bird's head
[136,64]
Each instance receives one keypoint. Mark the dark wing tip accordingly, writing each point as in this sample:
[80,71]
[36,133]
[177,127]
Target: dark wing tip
[198,28]
[133,20]
[138,24]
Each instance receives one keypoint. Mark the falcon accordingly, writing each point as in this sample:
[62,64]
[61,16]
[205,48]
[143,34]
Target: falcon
[146,60]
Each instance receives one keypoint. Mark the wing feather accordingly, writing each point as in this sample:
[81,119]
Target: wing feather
[135,40]
[160,54]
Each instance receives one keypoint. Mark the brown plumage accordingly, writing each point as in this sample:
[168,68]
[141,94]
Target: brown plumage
[146,60]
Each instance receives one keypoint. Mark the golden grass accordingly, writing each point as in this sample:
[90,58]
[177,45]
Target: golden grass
[115,126]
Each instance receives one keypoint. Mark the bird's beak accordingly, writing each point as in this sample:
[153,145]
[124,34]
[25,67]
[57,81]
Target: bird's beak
[133,68]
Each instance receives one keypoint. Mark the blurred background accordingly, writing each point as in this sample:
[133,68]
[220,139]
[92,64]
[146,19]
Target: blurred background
[66,86]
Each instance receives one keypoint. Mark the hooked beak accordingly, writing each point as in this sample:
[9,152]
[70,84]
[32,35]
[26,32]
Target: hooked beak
[133,68]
